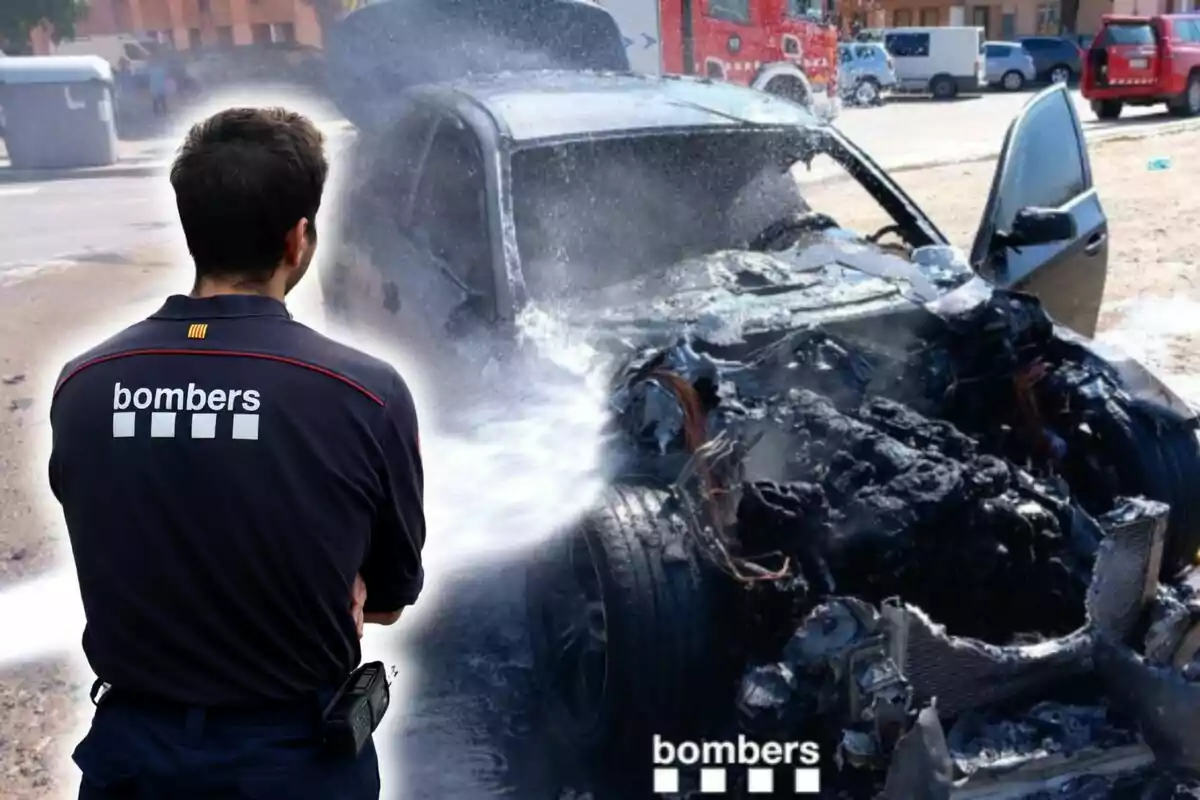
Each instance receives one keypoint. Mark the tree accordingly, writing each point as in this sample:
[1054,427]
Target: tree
[19,18]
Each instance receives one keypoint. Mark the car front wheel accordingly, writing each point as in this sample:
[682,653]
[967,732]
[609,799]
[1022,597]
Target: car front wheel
[624,630]
[1129,450]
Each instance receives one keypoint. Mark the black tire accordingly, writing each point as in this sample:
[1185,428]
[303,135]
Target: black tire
[943,87]
[662,633]
[789,88]
[1160,459]
[1107,109]
[1188,103]
[1012,81]
[1060,73]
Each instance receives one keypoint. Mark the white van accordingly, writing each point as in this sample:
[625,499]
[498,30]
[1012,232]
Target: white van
[112,48]
[941,61]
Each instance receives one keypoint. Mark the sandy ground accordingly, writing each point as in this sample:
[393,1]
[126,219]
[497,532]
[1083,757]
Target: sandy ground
[1153,230]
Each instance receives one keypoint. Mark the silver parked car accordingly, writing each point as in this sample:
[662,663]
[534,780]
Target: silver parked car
[865,72]
[1008,65]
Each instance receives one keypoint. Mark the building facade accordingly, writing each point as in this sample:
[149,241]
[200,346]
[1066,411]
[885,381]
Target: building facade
[192,24]
[1012,18]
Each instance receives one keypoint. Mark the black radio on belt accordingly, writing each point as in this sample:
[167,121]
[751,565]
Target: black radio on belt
[357,709]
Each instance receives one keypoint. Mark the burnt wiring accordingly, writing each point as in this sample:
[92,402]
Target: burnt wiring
[709,529]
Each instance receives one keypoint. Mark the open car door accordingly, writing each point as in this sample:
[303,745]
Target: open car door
[1043,229]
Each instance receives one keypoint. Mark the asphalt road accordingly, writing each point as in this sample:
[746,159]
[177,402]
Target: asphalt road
[98,220]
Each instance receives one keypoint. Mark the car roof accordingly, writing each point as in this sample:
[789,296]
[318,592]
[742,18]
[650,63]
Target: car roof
[531,106]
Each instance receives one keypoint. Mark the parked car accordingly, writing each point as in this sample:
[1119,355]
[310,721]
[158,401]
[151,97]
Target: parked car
[942,61]
[1144,61]
[1057,59]
[477,201]
[1007,66]
[865,72]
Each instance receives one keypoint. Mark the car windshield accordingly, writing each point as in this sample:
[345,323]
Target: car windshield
[593,214]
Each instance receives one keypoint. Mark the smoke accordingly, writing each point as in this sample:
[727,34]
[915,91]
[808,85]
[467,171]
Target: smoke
[516,460]
[40,618]
[383,48]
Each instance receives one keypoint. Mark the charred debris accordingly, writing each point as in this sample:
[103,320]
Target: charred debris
[933,566]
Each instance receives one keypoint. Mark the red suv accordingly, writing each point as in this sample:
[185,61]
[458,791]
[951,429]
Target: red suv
[1143,61]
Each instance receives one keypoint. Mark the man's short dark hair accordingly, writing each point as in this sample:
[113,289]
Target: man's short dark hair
[243,178]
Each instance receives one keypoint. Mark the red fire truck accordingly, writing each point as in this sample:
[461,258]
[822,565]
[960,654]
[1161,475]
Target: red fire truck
[780,46]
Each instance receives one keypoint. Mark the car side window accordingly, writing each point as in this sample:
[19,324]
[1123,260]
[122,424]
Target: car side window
[866,52]
[386,171]
[845,55]
[1046,166]
[907,45]
[449,217]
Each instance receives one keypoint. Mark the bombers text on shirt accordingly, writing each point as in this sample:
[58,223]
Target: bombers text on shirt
[193,398]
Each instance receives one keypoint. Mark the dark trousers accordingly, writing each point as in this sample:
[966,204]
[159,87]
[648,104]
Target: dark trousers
[141,750]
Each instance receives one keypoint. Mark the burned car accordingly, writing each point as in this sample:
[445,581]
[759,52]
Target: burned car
[863,486]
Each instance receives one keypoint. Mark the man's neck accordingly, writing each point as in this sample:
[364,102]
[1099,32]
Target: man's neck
[207,287]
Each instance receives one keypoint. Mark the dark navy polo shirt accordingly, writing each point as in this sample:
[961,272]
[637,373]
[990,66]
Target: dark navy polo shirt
[224,472]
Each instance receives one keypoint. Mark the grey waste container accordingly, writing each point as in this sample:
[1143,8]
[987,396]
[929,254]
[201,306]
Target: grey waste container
[58,111]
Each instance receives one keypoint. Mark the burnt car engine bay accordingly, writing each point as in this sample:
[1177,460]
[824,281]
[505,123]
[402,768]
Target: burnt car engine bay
[953,546]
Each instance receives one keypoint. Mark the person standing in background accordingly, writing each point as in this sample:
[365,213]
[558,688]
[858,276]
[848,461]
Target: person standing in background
[158,76]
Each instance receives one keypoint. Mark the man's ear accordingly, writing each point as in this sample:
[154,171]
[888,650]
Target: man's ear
[295,243]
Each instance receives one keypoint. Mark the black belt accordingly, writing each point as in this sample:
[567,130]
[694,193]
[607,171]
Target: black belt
[345,716]
[304,709]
